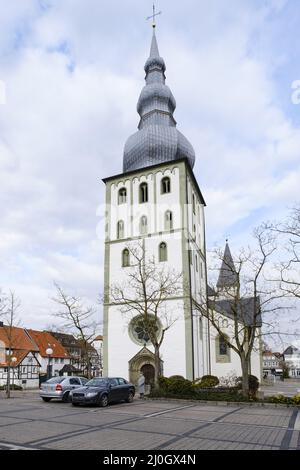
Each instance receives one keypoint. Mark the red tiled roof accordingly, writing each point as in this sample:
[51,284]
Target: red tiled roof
[45,340]
[17,338]
[98,338]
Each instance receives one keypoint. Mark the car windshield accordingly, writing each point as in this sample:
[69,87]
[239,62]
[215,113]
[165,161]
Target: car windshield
[55,380]
[96,383]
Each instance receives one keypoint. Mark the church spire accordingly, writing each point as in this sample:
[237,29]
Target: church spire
[227,276]
[157,139]
[154,52]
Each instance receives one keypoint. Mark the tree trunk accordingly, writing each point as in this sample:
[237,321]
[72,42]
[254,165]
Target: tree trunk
[8,382]
[245,377]
[157,372]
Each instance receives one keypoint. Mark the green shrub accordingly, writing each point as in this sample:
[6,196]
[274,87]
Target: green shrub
[281,399]
[12,387]
[207,381]
[174,385]
[253,384]
[179,385]
[163,383]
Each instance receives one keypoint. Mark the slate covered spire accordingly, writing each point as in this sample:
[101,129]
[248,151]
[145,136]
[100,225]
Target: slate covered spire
[227,276]
[157,139]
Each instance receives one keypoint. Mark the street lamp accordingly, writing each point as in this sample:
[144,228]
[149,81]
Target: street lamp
[49,351]
[13,360]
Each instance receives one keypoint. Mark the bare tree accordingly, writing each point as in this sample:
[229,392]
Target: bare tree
[80,319]
[145,293]
[250,301]
[9,306]
[289,231]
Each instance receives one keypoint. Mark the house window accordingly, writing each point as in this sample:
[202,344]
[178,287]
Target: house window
[120,229]
[143,192]
[143,225]
[122,196]
[125,258]
[165,185]
[163,252]
[56,360]
[62,361]
[168,220]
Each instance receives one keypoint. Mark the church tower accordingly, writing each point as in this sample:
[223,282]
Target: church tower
[156,200]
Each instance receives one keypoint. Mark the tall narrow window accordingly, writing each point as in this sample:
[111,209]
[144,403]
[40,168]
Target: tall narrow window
[223,346]
[122,196]
[163,252]
[143,225]
[194,204]
[196,262]
[143,192]
[125,258]
[120,229]
[168,220]
[165,185]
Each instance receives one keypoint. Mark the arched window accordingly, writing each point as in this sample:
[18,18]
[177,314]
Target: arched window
[165,185]
[120,229]
[143,225]
[143,192]
[168,220]
[125,258]
[196,262]
[163,252]
[122,196]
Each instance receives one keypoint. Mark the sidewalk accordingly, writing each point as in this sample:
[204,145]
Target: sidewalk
[20,393]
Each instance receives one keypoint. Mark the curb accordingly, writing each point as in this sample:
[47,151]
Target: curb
[225,403]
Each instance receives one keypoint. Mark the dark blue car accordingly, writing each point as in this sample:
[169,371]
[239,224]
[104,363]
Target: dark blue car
[101,391]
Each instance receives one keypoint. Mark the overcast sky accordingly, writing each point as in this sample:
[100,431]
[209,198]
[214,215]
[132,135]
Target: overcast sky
[71,72]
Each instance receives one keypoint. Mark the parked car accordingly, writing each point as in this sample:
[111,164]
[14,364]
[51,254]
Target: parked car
[60,387]
[101,391]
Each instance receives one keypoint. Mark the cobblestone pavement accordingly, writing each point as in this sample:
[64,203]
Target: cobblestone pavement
[288,388]
[28,423]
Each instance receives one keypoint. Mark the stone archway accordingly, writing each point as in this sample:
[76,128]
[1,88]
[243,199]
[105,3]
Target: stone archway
[142,361]
[148,371]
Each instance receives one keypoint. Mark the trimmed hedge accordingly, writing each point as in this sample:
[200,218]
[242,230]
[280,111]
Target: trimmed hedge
[12,387]
[281,399]
[207,381]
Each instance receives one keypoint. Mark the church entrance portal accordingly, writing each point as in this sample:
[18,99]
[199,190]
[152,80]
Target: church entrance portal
[144,362]
[149,371]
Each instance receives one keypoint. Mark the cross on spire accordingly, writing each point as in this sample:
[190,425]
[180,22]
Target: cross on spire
[153,16]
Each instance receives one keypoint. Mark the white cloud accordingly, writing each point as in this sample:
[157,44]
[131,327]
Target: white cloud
[73,73]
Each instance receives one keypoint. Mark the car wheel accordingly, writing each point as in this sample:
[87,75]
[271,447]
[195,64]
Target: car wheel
[66,397]
[129,399]
[75,404]
[103,401]
[46,399]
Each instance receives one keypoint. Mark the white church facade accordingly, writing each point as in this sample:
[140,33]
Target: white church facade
[156,200]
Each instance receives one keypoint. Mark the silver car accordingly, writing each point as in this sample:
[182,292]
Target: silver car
[60,387]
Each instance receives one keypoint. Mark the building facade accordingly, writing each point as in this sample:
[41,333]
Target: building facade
[19,351]
[55,361]
[292,359]
[156,202]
